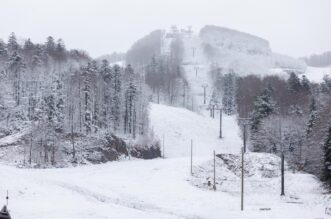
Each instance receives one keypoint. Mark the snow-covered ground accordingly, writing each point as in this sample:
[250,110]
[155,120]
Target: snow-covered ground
[314,74]
[164,188]
[160,188]
[11,139]
[179,126]
[196,68]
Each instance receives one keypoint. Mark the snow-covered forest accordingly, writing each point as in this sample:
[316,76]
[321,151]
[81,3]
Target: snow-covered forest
[186,121]
[58,98]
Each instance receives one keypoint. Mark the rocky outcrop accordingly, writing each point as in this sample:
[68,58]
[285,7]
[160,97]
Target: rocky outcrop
[146,152]
[111,147]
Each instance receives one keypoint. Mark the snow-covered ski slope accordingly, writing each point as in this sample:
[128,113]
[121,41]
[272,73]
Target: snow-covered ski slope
[196,68]
[179,126]
[164,188]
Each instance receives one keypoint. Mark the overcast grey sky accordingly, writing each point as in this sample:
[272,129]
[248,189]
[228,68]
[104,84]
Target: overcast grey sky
[293,27]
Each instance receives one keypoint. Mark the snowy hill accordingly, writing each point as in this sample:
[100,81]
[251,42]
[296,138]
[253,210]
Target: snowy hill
[242,52]
[165,188]
[314,74]
[180,126]
[228,39]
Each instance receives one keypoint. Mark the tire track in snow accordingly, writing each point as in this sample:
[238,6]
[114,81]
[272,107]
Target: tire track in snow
[124,202]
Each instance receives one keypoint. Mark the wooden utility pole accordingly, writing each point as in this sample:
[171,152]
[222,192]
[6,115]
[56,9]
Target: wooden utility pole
[184,96]
[242,179]
[163,154]
[245,122]
[282,170]
[204,93]
[282,158]
[7,198]
[214,187]
[221,112]
[245,137]
[196,71]
[192,104]
[192,157]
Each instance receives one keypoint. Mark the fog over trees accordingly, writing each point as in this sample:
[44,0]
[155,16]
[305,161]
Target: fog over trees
[321,60]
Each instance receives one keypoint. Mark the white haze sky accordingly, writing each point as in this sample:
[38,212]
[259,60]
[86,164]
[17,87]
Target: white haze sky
[293,27]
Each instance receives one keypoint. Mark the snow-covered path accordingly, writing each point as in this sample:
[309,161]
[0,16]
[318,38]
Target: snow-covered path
[196,68]
[143,189]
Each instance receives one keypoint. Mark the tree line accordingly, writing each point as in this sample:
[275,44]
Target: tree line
[286,115]
[59,93]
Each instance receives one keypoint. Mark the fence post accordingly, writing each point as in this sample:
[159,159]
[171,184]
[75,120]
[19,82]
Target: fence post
[221,112]
[191,157]
[214,187]
[245,133]
[242,179]
[163,154]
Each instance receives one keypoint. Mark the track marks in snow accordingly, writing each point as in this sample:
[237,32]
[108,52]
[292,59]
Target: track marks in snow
[129,202]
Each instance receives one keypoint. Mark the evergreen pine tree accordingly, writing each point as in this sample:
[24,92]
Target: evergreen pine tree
[16,67]
[60,106]
[294,84]
[12,44]
[50,109]
[3,51]
[28,45]
[60,50]
[87,73]
[229,93]
[107,76]
[312,116]
[130,99]
[326,168]
[263,107]
[50,46]
[305,84]
[116,97]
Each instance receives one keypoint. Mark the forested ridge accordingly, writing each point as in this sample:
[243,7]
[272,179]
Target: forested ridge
[53,93]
